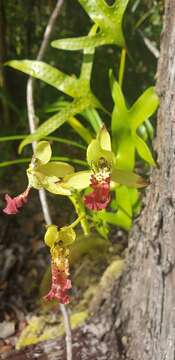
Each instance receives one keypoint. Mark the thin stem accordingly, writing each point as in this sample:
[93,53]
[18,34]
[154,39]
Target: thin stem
[32,125]
[76,222]
[80,210]
[50,138]
[55,158]
[67,326]
[122,67]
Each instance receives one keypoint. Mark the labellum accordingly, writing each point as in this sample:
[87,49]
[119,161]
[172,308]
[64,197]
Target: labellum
[60,272]
[14,204]
[99,198]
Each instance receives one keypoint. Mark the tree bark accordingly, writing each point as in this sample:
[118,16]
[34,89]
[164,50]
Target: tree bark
[147,293]
[135,320]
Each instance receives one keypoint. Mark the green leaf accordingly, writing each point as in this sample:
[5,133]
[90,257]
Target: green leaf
[43,152]
[92,116]
[124,212]
[128,178]
[123,220]
[125,149]
[143,108]
[118,218]
[77,181]
[143,150]
[117,96]
[134,196]
[109,19]
[49,74]
[57,120]
[87,64]
[142,132]
[149,128]
[98,10]
[121,131]
[55,168]
[80,43]
[123,200]
[80,129]
[125,123]
[70,85]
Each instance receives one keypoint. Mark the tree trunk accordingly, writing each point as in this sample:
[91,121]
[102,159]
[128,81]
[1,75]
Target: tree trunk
[135,320]
[147,294]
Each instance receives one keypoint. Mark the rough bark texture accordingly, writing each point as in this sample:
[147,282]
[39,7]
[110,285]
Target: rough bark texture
[136,319]
[148,292]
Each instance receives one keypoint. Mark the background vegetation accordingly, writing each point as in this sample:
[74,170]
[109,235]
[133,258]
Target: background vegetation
[23,24]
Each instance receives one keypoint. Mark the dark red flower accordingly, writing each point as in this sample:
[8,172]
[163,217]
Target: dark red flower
[60,285]
[14,204]
[99,198]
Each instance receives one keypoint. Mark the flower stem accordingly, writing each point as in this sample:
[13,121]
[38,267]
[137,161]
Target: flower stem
[76,222]
[80,210]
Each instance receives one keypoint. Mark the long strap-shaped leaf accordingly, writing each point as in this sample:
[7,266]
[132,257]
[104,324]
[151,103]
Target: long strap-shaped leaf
[144,107]
[109,19]
[70,85]
[87,64]
[57,120]
[98,10]
[49,74]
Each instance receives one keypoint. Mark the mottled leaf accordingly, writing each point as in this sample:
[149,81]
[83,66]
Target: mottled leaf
[49,74]
[57,120]
[108,18]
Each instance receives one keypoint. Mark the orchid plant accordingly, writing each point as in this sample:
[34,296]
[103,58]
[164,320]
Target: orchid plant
[61,179]
[106,193]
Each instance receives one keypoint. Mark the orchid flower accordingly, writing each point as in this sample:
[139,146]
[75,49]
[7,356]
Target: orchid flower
[42,173]
[59,241]
[103,175]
